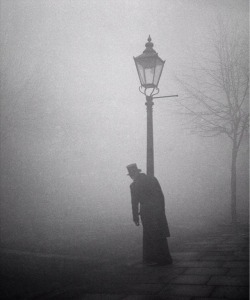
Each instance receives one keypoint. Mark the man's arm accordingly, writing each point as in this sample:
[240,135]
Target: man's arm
[135,206]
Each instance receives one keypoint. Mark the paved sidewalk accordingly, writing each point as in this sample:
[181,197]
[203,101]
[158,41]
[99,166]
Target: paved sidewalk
[211,267]
[214,266]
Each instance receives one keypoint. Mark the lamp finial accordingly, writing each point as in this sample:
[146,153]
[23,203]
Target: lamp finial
[149,46]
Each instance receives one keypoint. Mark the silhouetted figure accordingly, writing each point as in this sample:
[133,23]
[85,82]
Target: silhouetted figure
[148,201]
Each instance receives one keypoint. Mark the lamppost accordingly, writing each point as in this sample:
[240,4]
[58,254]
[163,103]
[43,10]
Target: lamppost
[149,67]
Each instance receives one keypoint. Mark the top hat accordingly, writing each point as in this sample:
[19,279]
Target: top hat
[132,169]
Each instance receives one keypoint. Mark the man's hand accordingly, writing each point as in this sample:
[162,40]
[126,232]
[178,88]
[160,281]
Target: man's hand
[137,223]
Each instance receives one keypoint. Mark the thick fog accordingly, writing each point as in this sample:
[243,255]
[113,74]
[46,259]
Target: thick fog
[72,118]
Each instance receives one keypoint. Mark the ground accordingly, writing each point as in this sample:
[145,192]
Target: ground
[212,264]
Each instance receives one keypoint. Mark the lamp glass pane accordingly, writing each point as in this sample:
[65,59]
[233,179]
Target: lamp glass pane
[141,73]
[149,75]
[158,70]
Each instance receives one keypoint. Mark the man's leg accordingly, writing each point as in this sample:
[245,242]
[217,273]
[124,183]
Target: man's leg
[163,254]
[149,255]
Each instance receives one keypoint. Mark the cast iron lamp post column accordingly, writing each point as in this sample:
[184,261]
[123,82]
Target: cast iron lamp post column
[150,136]
[149,67]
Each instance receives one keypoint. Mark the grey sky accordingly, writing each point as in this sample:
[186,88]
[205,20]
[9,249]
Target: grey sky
[74,118]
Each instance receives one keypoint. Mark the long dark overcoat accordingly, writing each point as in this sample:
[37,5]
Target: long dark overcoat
[148,201]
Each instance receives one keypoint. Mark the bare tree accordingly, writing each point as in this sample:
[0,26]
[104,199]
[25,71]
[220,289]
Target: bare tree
[218,90]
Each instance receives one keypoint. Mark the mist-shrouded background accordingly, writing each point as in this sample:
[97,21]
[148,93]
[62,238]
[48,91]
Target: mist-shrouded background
[72,118]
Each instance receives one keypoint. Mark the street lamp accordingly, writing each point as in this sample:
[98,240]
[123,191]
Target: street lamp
[149,67]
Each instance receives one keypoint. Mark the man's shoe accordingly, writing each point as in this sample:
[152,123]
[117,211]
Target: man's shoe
[165,263]
[150,263]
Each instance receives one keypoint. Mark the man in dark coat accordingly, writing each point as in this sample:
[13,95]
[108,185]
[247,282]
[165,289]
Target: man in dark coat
[148,201]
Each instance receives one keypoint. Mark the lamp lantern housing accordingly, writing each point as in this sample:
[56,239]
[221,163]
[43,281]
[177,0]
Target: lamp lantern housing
[149,66]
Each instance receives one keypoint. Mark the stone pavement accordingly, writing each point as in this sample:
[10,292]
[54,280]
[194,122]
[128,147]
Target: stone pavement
[214,266]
